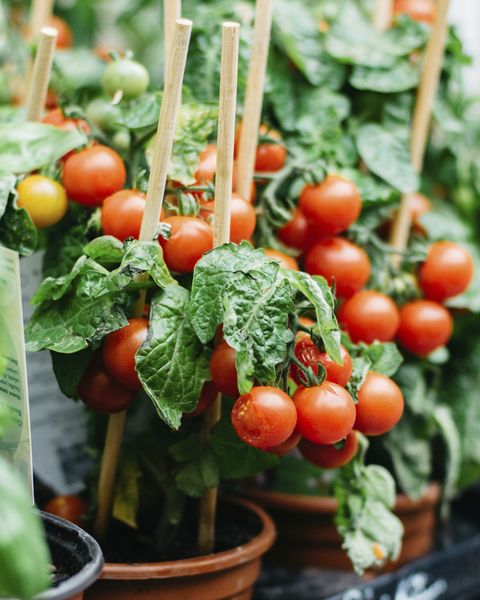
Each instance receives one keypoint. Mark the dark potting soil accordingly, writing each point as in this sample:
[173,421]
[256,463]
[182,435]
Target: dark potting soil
[235,526]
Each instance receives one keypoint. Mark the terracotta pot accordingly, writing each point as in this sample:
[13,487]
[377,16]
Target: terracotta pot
[76,556]
[307,536]
[227,575]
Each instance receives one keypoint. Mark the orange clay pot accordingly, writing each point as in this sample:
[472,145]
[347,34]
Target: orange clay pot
[307,536]
[226,575]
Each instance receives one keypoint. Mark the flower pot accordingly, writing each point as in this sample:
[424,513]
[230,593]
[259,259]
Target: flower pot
[307,536]
[227,575]
[77,558]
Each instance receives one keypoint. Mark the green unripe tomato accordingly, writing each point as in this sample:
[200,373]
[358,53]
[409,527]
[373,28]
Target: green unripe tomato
[103,114]
[126,75]
[121,140]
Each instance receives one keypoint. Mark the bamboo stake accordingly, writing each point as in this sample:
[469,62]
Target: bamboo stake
[426,94]
[172,10]
[253,99]
[42,67]
[40,15]
[223,199]
[382,14]
[153,206]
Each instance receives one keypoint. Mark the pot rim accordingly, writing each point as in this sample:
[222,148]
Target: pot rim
[87,575]
[210,563]
[328,505]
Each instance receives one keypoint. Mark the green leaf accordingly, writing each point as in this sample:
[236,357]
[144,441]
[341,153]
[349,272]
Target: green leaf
[195,125]
[400,77]
[24,554]
[172,364]
[388,156]
[140,113]
[451,438]
[106,250]
[63,250]
[76,68]
[237,460]
[7,185]
[17,230]
[199,474]
[384,358]
[317,291]
[30,146]
[69,368]
[127,494]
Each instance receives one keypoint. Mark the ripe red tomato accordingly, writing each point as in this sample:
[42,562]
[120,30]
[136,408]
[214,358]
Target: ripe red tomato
[270,157]
[326,413]
[419,10]
[242,218]
[65,36]
[89,176]
[101,392]
[287,262]
[368,316]
[341,262]
[332,206]
[206,400]
[68,507]
[424,326]
[223,370]
[380,405]
[265,417]
[57,118]
[447,271]
[309,355]
[294,233]
[119,350]
[327,456]
[287,446]
[190,238]
[122,214]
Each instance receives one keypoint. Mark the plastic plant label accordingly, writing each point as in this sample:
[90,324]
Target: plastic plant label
[15,445]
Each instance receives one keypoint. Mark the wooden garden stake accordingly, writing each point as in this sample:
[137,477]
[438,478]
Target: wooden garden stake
[42,67]
[253,98]
[153,206]
[40,15]
[223,199]
[172,10]
[426,94]
[382,14]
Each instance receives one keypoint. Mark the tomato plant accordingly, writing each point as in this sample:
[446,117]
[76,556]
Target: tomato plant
[265,417]
[93,174]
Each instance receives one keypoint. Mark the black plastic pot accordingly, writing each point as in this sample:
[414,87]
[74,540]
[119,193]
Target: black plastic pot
[77,558]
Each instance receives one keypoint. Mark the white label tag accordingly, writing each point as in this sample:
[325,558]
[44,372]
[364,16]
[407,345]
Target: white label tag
[16,445]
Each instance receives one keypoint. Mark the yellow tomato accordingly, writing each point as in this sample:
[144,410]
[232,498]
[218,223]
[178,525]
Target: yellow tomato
[44,199]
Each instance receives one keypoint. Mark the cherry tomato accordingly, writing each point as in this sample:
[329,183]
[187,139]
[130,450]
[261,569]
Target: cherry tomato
[206,400]
[368,316]
[287,446]
[43,198]
[270,157]
[68,507]
[419,10]
[57,118]
[242,218]
[189,240]
[287,262]
[424,326]
[332,206]
[419,205]
[380,405]
[89,176]
[327,456]
[223,370]
[447,271]
[326,413]
[101,392]
[65,36]
[127,76]
[119,350]
[309,355]
[294,233]
[265,417]
[341,262]
[122,214]
[103,113]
